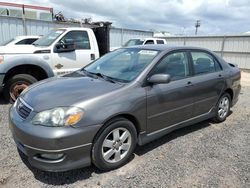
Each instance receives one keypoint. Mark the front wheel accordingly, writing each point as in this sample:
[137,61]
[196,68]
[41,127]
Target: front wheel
[15,85]
[222,108]
[114,145]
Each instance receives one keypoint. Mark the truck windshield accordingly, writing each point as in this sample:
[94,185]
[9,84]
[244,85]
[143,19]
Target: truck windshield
[133,42]
[7,42]
[122,65]
[48,39]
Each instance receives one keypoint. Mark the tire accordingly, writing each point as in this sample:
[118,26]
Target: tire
[111,142]
[222,108]
[15,85]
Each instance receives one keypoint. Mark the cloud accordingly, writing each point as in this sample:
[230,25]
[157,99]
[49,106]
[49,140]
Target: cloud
[175,16]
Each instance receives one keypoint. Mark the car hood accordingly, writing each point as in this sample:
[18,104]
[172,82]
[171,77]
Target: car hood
[19,49]
[65,91]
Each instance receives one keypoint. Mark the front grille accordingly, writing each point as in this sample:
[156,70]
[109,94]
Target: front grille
[23,109]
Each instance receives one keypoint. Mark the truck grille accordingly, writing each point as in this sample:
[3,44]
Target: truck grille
[23,109]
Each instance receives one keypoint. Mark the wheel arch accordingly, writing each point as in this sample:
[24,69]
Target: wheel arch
[33,66]
[115,117]
[230,92]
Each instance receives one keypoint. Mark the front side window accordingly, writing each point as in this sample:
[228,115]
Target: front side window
[204,63]
[79,38]
[174,64]
[149,42]
[123,64]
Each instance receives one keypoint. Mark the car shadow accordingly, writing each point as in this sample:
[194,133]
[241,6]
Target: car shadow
[171,136]
[59,178]
[72,176]
[2,101]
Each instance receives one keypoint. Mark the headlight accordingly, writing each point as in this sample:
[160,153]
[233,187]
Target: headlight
[62,116]
[1,59]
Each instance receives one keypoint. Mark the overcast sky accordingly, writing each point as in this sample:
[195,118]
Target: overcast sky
[174,16]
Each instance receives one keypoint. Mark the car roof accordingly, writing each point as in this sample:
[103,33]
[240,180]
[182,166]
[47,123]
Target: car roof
[166,47]
[147,38]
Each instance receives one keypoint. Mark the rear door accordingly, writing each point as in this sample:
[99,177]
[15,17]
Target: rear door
[208,81]
[171,103]
[71,61]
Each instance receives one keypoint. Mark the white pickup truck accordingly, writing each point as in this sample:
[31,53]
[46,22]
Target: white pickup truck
[145,41]
[60,51]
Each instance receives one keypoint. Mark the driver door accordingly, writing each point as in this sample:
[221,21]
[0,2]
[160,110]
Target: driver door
[65,62]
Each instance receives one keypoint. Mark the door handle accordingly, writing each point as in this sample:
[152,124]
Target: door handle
[189,84]
[92,56]
[220,76]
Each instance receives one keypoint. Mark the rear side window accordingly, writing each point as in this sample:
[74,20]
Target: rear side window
[79,38]
[204,63]
[26,41]
[149,42]
[160,41]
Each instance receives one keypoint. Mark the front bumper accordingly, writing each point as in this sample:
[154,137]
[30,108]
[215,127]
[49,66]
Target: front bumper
[72,145]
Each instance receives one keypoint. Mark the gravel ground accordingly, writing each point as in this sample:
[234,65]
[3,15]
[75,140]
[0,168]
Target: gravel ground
[202,155]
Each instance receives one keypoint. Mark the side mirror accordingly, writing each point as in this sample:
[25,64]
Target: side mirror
[159,79]
[68,47]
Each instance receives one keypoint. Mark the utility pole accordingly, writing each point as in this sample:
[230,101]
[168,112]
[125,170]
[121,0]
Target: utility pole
[197,24]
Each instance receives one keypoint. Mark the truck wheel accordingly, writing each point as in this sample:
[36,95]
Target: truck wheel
[114,145]
[15,85]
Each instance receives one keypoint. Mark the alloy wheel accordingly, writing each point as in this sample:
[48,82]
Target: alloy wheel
[223,107]
[116,145]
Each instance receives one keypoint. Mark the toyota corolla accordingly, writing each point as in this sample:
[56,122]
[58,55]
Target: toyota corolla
[131,96]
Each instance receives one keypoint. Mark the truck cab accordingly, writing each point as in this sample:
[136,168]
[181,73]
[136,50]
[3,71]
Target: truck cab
[61,51]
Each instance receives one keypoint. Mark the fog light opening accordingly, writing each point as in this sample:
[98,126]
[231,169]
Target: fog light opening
[52,156]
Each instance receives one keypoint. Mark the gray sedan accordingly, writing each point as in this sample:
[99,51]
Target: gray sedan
[127,97]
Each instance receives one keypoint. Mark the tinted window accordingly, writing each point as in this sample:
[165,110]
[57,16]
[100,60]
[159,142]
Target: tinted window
[175,64]
[149,42]
[27,41]
[79,38]
[204,63]
[160,41]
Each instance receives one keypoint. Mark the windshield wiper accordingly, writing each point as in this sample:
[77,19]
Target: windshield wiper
[107,78]
[100,75]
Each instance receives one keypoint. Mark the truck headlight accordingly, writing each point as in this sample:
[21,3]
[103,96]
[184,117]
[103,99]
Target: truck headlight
[1,59]
[57,117]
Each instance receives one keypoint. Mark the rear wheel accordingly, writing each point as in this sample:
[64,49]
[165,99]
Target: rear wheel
[15,85]
[114,145]
[222,108]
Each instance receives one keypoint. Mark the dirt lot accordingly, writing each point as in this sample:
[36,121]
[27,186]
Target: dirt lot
[202,155]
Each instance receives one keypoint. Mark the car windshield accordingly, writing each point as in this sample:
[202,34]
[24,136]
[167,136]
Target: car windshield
[122,65]
[7,42]
[133,42]
[48,39]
